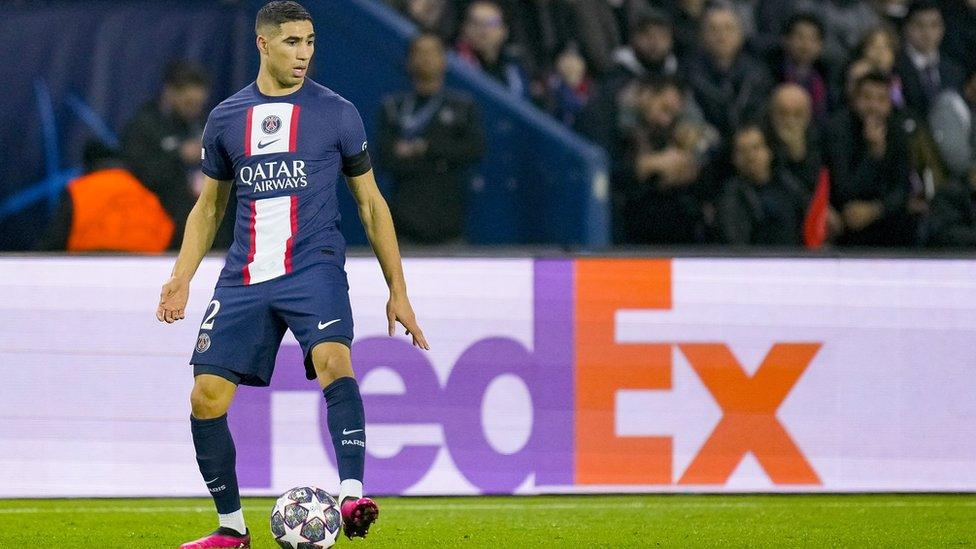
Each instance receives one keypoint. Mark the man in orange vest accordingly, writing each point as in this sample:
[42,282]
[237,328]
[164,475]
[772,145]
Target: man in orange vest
[108,209]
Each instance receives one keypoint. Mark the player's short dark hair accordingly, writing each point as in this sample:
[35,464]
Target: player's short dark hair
[804,18]
[183,74]
[278,12]
[873,77]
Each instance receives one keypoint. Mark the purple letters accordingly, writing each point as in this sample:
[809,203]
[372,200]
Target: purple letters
[547,371]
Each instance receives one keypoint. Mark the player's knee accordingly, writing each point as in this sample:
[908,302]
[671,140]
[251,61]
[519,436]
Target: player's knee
[331,361]
[208,401]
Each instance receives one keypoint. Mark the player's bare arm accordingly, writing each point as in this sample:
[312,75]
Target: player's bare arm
[376,218]
[201,227]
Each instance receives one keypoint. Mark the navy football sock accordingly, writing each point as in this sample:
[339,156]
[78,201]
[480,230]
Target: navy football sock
[347,424]
[216,457]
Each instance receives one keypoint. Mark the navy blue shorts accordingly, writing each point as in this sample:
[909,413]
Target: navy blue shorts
[243,325]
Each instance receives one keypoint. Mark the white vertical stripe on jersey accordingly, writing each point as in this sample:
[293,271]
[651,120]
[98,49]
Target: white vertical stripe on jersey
[272,229]
[277,141]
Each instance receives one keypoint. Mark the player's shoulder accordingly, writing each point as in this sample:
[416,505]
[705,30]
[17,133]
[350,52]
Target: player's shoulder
[326,97]
[244,97]
[233,104]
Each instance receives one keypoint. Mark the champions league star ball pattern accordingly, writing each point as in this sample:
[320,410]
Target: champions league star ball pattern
[306,518]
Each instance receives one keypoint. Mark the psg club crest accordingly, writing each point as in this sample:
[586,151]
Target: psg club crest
[270,124]
[203,343]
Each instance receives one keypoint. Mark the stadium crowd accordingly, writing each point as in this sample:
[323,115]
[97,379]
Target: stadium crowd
[750,122]
[784,123]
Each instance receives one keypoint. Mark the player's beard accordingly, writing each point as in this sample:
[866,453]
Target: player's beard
[288,80]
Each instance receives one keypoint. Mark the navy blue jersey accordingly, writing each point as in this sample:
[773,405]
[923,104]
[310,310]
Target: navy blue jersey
[284,155]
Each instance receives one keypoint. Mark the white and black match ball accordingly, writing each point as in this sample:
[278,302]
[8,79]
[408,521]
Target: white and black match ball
[306,518]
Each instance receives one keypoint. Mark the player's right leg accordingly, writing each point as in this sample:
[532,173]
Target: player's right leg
[209,400]
[237,345]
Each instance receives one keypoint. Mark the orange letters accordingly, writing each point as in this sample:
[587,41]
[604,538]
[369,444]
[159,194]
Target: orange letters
[603,366]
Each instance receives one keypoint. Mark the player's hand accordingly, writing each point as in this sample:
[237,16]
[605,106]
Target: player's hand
[172,300]
[398,309]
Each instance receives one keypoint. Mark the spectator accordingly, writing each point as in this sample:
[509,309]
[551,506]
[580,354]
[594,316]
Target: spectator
[429,137]
[792,137]
[760,205]
[602,27]
[799,61]
[649,54]
[869,165]
[482,44]
[108,209]
[879,48]
[569,87]
[729,86]
[876,52]
[432,16]
[923,71]
[845,23]
[951,120]
[796,145]
[953,217]
[650,50]
[162,141]
[656,195]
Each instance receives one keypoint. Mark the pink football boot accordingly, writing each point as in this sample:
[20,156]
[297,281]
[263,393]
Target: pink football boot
[357,516]
[222,538]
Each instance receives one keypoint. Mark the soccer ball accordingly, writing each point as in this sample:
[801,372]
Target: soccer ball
[306,518]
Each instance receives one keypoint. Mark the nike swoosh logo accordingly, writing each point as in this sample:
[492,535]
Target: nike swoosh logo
[212,481]
[345,432]
[262,144]
[324,325]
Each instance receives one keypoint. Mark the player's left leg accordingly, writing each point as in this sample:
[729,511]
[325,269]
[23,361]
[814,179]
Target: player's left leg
[314,303]
[347,425]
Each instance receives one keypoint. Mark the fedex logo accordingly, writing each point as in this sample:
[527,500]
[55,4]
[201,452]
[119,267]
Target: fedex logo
[574,374]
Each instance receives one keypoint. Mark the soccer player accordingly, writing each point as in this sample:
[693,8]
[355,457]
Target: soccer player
[279,144]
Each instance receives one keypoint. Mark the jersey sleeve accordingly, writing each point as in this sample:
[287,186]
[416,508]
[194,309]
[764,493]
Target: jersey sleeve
[352,142]
[214,161]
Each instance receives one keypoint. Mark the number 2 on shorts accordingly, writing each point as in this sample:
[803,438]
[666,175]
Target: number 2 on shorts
[208,323]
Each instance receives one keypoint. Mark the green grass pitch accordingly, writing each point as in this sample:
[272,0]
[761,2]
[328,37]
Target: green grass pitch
[550,521]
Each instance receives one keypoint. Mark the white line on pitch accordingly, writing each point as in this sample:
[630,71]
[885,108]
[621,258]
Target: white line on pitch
[460,506]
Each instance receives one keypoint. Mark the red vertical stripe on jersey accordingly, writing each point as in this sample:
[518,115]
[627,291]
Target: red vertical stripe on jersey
[293,138]
[247,133]
[253,239]
[289,245]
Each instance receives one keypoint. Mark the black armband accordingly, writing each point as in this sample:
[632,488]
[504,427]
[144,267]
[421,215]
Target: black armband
[356,165]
